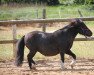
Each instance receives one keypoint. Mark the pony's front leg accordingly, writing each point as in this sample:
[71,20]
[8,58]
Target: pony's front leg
[69,52]
[62,60]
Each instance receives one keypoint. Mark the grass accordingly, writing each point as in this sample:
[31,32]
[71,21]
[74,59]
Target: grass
[33,12]
[84,49]
[6,52]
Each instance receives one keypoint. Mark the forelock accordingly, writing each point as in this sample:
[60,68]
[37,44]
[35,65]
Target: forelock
[78,20]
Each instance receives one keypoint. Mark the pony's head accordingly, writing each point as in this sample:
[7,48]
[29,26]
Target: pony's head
[81,27]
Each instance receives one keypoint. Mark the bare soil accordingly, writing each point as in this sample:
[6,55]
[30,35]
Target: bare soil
[47,67]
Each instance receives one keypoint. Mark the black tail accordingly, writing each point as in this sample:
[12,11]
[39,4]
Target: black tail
[20,52]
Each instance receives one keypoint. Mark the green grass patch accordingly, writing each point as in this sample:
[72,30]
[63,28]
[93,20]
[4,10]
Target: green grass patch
[31,12]
[84,49]
[6,52]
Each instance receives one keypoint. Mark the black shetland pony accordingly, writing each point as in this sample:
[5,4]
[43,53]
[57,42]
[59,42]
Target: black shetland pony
[50,44]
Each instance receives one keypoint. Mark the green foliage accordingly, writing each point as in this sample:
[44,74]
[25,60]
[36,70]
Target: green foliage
[68,2]
[84,1]
[49,2]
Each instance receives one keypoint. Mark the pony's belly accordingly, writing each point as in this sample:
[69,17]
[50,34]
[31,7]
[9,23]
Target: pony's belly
[49,52]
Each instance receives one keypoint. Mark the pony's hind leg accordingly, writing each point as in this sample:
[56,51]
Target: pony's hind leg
[30,59]
[69,52]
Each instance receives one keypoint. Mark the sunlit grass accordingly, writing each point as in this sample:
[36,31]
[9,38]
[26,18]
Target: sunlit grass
[6,52]
[84,49]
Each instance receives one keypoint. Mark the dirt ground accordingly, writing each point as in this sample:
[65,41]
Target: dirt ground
[46,67]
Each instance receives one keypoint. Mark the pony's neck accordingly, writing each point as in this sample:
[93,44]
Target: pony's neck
[73,31]
[69,30]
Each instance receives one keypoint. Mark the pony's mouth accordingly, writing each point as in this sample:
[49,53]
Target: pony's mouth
[88,36]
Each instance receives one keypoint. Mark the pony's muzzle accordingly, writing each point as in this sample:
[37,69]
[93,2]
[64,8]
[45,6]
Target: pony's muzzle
[88,33]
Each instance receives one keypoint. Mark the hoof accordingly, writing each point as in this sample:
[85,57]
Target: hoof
[63,68]
[72,66]
[33,67]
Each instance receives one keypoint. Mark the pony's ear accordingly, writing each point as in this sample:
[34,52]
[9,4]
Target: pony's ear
[79,20]
[73,22]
